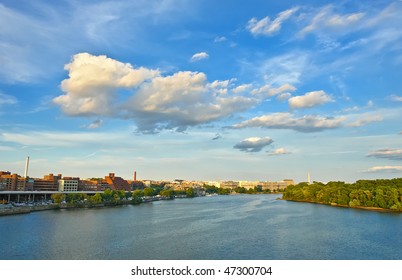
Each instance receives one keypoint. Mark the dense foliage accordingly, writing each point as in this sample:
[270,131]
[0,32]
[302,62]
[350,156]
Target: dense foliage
[386,194]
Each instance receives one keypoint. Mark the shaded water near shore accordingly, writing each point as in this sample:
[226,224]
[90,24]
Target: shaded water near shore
[222,227]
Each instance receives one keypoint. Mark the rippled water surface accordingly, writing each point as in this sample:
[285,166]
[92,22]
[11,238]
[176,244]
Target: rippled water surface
[221,227]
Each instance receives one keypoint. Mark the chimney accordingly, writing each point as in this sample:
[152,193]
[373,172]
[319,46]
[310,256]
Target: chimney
[26,167]
[135,175]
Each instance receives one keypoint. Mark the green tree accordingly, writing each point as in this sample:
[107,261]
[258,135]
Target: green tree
[223,191]
[190,192]
[149,192]
[138,193]
[107,195]
[57,197]
[167,193]
[96,198]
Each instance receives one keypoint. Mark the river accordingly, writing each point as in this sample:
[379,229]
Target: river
[211,228]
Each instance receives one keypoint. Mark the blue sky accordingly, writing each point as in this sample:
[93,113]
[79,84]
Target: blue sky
[202,90]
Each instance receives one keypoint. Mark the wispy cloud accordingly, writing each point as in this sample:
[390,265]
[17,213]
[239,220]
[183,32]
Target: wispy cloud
[365,119]
[395,98]
[6,99]
[327,19]
[307,123]
[220,39]
[287,68]
[95,124]
[386,168]
[253,144]
[267,27]
[57,138]
[278,152]
[394,154]
[199,56]
[217,136]
[268,90]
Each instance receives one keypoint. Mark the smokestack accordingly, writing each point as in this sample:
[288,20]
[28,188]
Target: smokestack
[135,175]
[26,167]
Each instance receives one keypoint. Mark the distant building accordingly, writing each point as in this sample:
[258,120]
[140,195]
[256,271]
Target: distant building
[69,184]
[117,183]
[274,186]
[229,184]
[48,183]
[8,181]
[89,185]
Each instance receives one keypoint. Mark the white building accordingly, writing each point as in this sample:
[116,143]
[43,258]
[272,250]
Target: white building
[68,184]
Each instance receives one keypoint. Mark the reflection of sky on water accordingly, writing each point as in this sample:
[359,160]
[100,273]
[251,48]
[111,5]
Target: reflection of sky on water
[222,227]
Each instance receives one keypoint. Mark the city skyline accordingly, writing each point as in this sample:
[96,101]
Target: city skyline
[202,90]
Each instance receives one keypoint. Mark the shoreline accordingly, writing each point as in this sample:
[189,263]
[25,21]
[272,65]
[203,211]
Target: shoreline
[366,208]
[12,210]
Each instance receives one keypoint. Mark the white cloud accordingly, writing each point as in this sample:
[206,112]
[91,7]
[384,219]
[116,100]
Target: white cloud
[220,39]
[57,138]
[199,56]
[6,99]
[327,20]
[93,81]
[309,100]
[278,152]
[181,100]
[283,96]
[396,98]
[308,123]
[253,144]
[287,69]
[395,154]
[268,90]
[267,27]
[386,168]
[154,102]
[241,88]
[366,119]
[95,124]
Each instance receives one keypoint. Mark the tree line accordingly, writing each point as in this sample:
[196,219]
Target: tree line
[381,193]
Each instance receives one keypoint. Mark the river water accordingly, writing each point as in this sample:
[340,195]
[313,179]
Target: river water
[211,228]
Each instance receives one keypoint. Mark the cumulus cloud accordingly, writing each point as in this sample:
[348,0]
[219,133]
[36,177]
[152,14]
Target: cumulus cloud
[253,144]
[93,82]
[327,19]
[199,56]
[6,99]
[394,154]
[278,152]
[179,101]
[267,27]
[308,123]
[386,168]
[153,101]
[309,100]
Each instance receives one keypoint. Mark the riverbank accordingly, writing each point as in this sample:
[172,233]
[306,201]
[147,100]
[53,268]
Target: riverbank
[377,209]
[16,210]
